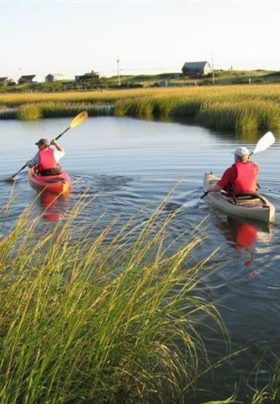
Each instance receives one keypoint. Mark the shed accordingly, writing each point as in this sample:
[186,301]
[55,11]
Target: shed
[197,68]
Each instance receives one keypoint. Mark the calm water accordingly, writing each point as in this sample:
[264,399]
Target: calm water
[124,164]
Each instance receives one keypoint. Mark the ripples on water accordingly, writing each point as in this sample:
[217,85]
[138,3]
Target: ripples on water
[123,167]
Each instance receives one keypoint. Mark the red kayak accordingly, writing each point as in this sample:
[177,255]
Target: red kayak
[56,184]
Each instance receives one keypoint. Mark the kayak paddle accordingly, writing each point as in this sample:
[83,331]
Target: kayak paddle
[263,144]
[80,118]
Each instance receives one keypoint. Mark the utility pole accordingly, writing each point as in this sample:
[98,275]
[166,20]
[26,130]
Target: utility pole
[118,71]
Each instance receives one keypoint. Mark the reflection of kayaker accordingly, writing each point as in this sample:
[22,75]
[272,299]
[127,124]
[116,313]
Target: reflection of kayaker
[48,201]
[53,205]
[246,236]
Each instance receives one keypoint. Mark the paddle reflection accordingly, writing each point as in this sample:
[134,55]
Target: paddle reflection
[53,205]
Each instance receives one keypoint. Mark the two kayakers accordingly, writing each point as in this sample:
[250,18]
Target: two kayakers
[241,177]
[46,159]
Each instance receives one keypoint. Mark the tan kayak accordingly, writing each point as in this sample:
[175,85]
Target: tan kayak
[255,207]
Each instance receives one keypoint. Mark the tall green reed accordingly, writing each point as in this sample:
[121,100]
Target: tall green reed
[107,319]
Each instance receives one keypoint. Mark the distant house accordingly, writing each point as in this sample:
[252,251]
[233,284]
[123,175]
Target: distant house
[50,78]
[87,77]
[196,68]
[6,81]
[30,79]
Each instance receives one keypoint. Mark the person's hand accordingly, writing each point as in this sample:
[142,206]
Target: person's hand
[29,163]
[52,141]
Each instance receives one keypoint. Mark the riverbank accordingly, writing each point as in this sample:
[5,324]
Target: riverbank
[250,109]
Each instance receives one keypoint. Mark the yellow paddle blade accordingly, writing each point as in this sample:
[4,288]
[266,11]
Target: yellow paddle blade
[80,118]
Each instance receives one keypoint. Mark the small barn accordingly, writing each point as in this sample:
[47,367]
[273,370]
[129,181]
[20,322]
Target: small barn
[196,69]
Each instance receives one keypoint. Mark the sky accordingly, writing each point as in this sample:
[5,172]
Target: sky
[75,37]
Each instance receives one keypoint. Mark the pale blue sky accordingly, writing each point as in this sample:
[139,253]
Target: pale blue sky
[74,37]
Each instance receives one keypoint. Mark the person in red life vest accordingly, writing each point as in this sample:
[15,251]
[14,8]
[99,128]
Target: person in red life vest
[46,159]
[241,177]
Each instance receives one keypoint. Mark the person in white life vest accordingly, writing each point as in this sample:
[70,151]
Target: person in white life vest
[46,159]
[241,177]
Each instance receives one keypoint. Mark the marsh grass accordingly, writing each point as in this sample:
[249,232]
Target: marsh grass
[271,392]
[108,319]
[244,109]
[29,112]
[247,111]
[35,111]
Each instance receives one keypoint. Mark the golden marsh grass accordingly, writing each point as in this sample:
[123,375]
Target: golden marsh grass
[250,108]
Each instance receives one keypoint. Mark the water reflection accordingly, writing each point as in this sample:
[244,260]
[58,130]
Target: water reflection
[244,234]
[53,206]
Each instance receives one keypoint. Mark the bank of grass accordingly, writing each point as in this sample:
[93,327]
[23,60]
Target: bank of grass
[35,111]
[244,109]
[109,319]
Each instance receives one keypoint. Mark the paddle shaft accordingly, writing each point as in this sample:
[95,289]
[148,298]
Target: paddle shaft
[205,193]
[59,136]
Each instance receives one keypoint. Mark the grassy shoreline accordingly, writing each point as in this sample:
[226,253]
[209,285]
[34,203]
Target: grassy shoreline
[250,109]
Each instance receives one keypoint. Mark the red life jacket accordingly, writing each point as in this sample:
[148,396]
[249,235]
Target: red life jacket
[246,178]
[46,159]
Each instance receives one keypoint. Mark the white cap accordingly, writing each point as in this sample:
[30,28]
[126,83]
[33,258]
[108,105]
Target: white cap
[241,151]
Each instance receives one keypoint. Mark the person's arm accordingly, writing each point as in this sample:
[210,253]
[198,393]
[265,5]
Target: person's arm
[57,145]
[33,162]
[226,180]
